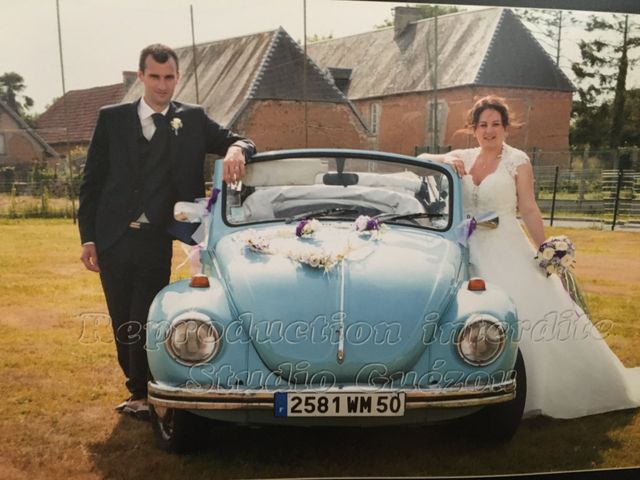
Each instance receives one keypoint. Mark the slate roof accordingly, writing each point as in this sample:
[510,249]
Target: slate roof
[82,113]
[30,131]
[488,47]
[233,71]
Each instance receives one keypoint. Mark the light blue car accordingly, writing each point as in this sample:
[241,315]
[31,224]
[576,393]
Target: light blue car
[334,290]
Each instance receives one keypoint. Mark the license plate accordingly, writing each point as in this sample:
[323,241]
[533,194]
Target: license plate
[293,404]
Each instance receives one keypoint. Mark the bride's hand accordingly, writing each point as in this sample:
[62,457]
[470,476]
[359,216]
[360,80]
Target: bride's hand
[457,165]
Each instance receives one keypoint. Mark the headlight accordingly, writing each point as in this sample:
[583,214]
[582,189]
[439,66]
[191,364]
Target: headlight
[192,338]
[481,340]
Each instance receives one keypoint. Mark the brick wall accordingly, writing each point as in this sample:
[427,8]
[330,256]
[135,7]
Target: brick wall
[401,121]
[275,125]
[544,115]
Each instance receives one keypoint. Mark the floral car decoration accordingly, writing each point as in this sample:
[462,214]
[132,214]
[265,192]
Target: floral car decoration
[333,290]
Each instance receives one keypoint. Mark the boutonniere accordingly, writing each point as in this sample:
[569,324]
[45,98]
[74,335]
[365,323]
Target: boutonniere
[176,124]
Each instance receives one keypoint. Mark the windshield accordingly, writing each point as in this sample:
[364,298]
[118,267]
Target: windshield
[342,189]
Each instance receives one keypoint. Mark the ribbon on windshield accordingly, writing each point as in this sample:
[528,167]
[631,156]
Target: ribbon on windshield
[466,228]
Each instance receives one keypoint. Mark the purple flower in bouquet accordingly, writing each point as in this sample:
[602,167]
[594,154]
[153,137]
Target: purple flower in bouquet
[556,255]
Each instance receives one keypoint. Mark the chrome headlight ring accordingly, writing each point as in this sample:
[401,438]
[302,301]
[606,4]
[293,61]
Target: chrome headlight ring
[192,338]
[481,340]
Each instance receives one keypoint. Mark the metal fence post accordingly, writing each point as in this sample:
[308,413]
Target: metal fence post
[585,158]
[553,198]
[617,199]
[534,163]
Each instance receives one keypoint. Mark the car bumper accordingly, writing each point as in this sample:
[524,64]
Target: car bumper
[165,396]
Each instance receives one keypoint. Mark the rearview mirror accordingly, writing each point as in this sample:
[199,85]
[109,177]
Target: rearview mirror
[344,179]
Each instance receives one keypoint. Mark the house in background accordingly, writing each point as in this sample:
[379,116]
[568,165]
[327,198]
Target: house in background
[79,110]
[373,90]
[255,85]
[389,75]
[20,146]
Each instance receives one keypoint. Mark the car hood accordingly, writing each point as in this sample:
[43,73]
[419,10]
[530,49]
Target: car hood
[371,307]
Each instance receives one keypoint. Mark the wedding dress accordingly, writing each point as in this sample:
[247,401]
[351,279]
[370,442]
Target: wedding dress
[571,371]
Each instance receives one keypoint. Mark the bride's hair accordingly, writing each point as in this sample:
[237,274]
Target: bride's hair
[492,102]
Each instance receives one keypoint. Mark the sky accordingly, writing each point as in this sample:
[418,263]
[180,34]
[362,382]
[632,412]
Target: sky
[101,38]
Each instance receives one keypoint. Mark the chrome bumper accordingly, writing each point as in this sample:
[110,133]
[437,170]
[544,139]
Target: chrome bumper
[246,399]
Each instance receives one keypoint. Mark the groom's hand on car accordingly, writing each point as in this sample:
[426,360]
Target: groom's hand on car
[233,164]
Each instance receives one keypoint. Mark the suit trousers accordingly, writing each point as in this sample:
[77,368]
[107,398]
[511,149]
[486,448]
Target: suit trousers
[132,272]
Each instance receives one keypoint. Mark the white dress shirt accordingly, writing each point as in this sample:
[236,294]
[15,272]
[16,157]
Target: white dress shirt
[144,113]
[148,129]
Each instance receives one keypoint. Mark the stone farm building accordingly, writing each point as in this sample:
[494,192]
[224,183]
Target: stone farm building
[371,90]
[79,110]
[254,85]
[389,76]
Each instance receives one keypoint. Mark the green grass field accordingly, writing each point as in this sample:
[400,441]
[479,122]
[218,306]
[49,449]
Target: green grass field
[60,381]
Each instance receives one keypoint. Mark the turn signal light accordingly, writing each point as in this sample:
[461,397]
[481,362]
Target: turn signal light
[199,281]
[476,285]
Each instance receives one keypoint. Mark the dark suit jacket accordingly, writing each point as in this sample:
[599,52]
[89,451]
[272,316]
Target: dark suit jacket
[112,178]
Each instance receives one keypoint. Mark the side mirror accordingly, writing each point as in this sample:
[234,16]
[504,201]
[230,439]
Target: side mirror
[189,212]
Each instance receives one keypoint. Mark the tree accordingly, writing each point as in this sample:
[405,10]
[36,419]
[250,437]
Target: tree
[603,70]
[426,11]
[11,88]
[630,130]
[586,128]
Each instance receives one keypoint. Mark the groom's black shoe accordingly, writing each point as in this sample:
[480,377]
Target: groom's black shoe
[138,409]
[120,407]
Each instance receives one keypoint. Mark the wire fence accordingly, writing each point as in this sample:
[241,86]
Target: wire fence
[609,197]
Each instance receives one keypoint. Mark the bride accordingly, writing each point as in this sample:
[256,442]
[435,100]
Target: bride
[571,372]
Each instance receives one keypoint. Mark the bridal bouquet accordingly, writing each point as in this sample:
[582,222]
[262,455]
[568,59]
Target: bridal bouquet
[556,255]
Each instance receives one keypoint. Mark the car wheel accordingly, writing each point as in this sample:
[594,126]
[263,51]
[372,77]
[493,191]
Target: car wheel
[500,422]
[178,431]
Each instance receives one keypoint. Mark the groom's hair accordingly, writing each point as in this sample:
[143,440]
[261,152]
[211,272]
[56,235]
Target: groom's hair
[160,53]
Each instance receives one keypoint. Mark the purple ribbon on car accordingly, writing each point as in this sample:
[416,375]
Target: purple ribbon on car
[466,228]
[212,199]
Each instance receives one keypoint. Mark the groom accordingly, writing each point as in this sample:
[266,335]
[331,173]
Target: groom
[143,157]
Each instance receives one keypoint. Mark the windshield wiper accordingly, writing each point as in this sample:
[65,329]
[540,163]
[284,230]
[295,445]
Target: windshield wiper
[407,216]
[323,213]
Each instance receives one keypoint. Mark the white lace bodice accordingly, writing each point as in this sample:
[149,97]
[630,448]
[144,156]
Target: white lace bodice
[497,192]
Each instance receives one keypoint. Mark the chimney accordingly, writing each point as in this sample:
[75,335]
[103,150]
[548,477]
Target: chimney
[129,78]
[402,17]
